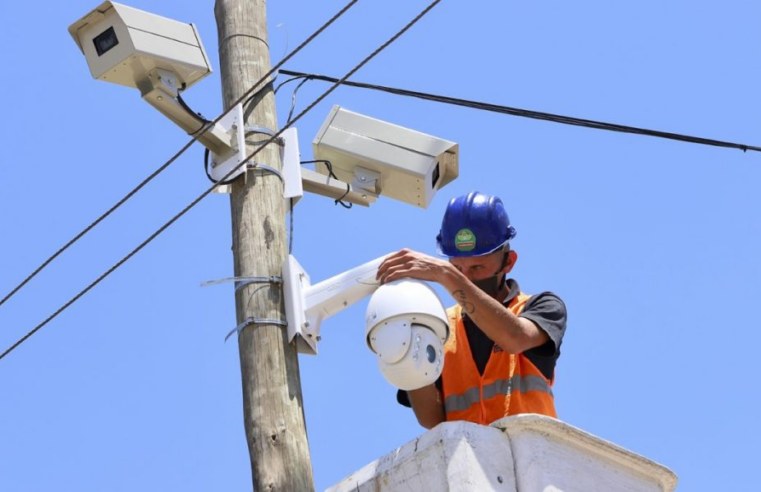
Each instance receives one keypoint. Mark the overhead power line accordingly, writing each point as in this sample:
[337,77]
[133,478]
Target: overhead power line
[526,113]
[196,136]
[209,190]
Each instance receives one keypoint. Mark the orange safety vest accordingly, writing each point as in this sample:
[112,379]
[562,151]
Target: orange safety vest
[511,383]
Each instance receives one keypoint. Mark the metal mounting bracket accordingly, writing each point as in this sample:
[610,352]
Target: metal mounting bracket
[161,89]
[291,158]
[294,288]
[367,180]
[221,164]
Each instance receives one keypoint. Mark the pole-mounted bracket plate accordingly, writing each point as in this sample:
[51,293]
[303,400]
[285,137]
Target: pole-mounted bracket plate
[291,158]
[300,330]
[222,164]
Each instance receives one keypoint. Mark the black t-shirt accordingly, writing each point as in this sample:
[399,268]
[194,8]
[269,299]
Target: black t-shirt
[545,310]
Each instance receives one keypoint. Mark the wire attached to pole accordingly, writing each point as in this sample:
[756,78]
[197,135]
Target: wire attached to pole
[525,113]
[293,98]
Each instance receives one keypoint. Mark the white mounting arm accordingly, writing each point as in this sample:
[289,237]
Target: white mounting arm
[161,90]
[225,140]
[307,305]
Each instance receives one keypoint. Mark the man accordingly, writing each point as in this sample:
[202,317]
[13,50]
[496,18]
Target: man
[500,357]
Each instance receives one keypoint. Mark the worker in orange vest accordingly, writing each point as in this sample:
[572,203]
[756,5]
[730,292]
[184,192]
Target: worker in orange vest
[503,344]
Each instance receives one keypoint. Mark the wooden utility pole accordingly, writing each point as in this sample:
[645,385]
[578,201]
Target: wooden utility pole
[272,402]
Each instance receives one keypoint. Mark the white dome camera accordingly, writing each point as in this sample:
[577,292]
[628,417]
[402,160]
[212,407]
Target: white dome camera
[407,327]
[406,324]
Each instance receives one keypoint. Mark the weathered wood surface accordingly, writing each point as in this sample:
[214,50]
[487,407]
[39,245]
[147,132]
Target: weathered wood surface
[272,401]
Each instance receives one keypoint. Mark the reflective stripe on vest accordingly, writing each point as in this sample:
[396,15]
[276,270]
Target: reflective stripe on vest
[517,383]
[511,384]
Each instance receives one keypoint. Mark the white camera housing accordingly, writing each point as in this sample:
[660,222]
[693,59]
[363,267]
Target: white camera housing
[160,57]
[406,323]
[406,327]
[124,45]
[376,157]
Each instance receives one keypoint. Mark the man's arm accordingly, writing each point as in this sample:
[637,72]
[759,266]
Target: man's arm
[427,405]
[513,333]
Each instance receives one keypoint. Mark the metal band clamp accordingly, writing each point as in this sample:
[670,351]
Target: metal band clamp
[255,321]
[249,129]
[241,282]
[265,168]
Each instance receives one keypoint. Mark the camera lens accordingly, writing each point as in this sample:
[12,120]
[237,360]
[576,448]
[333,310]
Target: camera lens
[105,41]
[435,176]
[431,353]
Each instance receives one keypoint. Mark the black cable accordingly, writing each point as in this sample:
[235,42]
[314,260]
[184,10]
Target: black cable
[281,84]
[226,176]
[206,153]
[196,115]
[327,163]
[525,113]
[339,201]
[293,98]
[203,121]
[331,174]
[256,94]
[176,156]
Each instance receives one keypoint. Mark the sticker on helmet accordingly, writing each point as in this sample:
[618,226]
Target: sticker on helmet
[465,240]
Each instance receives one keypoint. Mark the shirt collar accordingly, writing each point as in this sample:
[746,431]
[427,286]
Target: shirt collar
[513,291]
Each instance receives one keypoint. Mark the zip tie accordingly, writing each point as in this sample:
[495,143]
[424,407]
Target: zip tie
[255,321]
[241,282]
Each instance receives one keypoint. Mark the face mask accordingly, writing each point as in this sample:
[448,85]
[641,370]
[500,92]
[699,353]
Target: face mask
[491,286]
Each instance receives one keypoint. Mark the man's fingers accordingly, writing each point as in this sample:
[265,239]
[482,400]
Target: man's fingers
[395,270]
[406,263]
[396,274]
[391,261]
[386,272]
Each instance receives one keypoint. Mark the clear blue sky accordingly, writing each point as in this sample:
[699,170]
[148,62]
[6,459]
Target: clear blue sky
[653,244]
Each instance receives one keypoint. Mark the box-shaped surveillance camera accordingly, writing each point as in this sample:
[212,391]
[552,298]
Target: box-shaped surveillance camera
[122,45]
[408,165]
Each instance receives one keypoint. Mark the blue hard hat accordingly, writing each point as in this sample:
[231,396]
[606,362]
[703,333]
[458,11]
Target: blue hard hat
[474,225]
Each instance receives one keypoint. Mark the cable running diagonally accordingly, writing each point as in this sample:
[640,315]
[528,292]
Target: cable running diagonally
[230,173]
[158,171]
[525,113]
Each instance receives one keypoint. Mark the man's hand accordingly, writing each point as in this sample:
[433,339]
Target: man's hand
[514,334]
[411,264]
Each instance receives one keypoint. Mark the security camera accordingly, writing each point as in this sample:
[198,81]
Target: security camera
[407,328]
[161,57]
[380,158]
[124,45]
[406,324]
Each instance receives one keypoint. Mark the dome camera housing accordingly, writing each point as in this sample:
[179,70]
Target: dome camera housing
[406,328]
